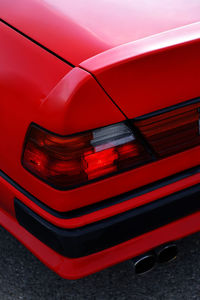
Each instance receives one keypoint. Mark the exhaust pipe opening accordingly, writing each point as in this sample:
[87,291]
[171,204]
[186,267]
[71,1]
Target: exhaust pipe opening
[145,263]
[167,253]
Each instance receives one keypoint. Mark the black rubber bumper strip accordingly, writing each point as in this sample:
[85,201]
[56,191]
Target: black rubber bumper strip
[107,202]
[79,242]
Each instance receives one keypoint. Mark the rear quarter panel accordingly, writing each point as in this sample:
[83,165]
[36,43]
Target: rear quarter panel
[35,86]
[27,74]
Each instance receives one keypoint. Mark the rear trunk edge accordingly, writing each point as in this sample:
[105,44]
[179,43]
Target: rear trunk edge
[152,73]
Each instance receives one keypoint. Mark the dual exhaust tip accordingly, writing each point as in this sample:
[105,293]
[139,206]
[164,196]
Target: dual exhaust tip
[163,254]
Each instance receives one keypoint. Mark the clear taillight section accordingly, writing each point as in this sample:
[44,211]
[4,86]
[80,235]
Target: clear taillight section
[66,162]
[174,131]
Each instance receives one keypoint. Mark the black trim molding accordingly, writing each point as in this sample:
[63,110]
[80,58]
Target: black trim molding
[167,109]
[98,236]
[107,202]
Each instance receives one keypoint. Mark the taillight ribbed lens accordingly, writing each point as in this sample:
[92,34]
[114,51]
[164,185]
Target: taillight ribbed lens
[74,160]
[174,131]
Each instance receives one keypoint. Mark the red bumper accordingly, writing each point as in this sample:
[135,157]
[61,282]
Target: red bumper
[73,268]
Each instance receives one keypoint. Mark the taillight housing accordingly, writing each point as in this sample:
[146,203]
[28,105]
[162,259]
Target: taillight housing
[172,131]
[66,162]
[69,161]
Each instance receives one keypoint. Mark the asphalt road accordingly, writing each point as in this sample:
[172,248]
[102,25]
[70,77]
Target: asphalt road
[22,276]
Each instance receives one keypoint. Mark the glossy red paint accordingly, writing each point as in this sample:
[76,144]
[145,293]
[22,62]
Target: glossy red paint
[105,212]
[77,268]
[123,70]
[77,30]
[142,71]
[68,108]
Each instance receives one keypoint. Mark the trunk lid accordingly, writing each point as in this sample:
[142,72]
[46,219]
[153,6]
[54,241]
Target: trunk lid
[151,73]
[78,30]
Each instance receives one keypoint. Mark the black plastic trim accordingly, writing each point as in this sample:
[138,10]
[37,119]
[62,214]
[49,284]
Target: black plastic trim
[167,109]
[131,194]
[74,243]
[107,202]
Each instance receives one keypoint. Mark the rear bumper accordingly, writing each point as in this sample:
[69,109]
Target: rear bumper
[74,243]
[74,253]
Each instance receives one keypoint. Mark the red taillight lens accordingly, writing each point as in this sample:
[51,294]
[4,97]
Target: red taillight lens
[69,161]
[174,131]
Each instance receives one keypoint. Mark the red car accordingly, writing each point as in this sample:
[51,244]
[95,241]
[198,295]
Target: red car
[100,128]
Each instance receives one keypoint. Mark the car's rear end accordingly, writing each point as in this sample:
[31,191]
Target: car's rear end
[100,161]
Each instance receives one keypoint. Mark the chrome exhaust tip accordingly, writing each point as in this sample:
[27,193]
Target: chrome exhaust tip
[167,253]
[145,263]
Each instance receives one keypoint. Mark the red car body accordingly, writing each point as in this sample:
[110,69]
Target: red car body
[73,67]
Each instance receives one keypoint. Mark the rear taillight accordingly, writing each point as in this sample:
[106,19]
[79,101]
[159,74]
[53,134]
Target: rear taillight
[174,131]
[65,162]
